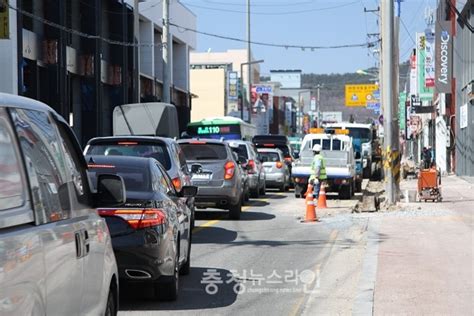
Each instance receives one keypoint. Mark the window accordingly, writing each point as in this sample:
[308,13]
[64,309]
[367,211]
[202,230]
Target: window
[336,144]
[269,156]
[140,149]
[167,183]
[76,169]
[204,151]
[45,165]
[241,150]
[135,178]
[12,189]
[326,144]
[159,183]
[182,159]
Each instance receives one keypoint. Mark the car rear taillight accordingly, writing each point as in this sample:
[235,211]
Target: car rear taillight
[252,170]
[137,218]
[127,143]
[177,183]
[279,164]
[269,145]
[229,170]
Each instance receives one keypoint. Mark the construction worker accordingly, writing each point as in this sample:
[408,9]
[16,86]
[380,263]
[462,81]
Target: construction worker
[318,170]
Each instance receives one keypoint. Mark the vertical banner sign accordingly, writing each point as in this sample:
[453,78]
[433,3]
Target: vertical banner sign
[444,56]
[402,110]
[429,59]
[413,74]
[4,20]
[425,93]
[233,94]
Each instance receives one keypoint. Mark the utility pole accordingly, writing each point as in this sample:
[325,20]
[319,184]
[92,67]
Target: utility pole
[318,99]
[136,53]
[391,154]
[249,57]
[166,49]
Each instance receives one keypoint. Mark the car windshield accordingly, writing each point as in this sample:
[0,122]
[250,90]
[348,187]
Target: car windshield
[269,157]
[132,148]
[361,133]
[204,151]
[135,178]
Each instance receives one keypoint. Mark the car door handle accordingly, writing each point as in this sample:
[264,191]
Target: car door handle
[86,242]
[78,238]
[82,243]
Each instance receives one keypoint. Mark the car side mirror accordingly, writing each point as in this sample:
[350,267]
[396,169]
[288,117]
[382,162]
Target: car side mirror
[296,154]
[188,191]
[110,190]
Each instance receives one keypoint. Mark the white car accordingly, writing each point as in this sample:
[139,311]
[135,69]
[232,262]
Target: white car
[56,255]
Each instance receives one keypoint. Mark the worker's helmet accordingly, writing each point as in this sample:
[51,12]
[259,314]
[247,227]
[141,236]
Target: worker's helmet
[317,148]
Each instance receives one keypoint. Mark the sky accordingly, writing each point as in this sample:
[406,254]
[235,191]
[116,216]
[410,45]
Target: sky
[304,23]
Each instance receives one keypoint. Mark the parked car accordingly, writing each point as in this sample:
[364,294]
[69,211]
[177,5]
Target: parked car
[215,171]
[151,232]
[165,150]
[56,254]
[255,168]
[277,172]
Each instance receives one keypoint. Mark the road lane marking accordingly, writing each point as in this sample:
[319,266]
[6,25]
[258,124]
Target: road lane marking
[215,221]
[318,267]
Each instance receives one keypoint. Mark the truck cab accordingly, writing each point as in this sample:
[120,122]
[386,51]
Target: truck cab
[365,143]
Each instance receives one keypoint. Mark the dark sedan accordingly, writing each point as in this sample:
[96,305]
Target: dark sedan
[151,234]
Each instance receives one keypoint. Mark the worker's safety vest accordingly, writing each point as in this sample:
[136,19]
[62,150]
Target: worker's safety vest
[318,159]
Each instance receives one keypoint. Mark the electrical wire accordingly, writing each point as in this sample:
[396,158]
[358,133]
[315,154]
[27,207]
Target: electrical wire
[271,13]
[82,34]
[302,47]
[268,4]
[130,44]
[408,32]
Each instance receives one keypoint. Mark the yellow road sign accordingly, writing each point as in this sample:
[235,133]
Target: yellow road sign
[360,94]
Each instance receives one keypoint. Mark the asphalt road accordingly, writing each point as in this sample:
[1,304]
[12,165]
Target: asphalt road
[267,261]
[413,259]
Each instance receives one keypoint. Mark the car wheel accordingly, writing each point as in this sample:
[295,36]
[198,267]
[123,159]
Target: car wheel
[255,194]
[281,188]
[263,189]
[169,291]
[235,210]
[186,268]
[359,186]
[111,308]
[345,192]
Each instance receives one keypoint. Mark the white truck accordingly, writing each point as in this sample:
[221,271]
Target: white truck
[366,145]
[338,153]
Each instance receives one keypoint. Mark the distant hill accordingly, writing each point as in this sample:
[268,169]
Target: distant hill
[332,92]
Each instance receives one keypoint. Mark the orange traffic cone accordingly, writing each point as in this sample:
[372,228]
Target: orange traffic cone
[310,209]
[322,197]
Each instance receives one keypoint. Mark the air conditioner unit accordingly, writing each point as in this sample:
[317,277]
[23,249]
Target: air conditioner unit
[470,90]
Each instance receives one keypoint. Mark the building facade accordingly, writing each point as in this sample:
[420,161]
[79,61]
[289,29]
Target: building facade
[79,57]
[464,84]
[216,80]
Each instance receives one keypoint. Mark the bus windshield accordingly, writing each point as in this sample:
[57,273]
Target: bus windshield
[364,134]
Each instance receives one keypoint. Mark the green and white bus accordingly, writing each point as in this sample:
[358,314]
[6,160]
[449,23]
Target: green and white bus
[226,127]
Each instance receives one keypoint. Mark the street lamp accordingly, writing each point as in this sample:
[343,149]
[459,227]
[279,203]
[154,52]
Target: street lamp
[374,75]
[249,84]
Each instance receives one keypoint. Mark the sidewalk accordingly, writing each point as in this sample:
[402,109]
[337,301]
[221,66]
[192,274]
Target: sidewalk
[425,255]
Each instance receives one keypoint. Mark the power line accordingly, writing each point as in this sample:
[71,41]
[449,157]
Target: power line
[82,34]
[271,13]
[268,4]
[408,32]
[302,47]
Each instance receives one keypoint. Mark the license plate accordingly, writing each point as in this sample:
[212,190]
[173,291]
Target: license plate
[201,176]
